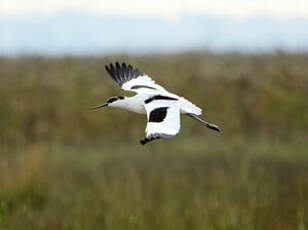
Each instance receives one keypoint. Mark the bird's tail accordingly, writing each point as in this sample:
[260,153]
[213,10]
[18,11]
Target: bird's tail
[207,124]
[189,107]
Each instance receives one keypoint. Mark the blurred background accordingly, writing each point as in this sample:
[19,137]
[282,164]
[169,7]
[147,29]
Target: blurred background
[65,167]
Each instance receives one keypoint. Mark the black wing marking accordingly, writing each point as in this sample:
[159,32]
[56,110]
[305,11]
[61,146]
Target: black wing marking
[122,73]
[159,97]
[142,86]
[153,137]
[158,115]
[148,139]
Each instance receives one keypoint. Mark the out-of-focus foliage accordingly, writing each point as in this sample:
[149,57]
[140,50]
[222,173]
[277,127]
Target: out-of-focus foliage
[251,95]
[63,166]
[188,184]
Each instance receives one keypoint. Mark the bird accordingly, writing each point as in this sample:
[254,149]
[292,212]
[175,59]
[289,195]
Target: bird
[163,109]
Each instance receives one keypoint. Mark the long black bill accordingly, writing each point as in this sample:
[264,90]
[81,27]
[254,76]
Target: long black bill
[99,106]
[207,124]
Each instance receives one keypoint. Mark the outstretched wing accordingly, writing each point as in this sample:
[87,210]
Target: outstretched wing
[131,79]
[163,119]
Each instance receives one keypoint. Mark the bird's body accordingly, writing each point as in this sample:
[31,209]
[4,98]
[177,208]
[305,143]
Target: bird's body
[162,108]
[136,103]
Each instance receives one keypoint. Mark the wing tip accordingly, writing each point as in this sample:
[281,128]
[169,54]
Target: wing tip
[122,73]
[154,136]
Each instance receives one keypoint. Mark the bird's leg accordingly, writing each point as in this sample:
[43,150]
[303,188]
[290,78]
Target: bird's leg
[207,124]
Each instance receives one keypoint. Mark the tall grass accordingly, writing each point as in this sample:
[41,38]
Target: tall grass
[44,99]
[65,167]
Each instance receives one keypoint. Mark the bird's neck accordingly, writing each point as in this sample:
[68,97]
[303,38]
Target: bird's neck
[129,104]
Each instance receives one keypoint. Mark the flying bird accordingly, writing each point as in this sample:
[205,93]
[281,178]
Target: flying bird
[162,108]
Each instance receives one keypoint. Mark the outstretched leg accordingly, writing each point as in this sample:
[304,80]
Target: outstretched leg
[207,124]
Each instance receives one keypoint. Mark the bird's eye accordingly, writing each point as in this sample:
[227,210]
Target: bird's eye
[112,99]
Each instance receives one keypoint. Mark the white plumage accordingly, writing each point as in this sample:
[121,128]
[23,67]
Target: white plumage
[170,125]
[162,108]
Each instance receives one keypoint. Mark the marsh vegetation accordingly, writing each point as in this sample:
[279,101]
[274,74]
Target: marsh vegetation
[65,167]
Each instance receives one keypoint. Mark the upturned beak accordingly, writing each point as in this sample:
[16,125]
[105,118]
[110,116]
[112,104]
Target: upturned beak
[99,106]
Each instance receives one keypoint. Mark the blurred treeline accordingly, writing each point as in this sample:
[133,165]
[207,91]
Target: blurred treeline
[47,99]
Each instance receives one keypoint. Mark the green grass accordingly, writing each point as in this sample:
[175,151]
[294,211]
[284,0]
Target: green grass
[65,167]
[241,185]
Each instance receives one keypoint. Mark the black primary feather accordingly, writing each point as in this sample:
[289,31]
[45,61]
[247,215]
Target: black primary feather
[154,136]
[122,73]
[150,138]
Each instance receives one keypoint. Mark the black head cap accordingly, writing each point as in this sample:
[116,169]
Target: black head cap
[113,99]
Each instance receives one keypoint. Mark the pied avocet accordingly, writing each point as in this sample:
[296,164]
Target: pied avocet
[162,108]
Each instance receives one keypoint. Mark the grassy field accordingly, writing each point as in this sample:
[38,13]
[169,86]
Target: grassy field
[65,167]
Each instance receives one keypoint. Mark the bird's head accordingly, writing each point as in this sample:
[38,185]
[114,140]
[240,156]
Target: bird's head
[112,102]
